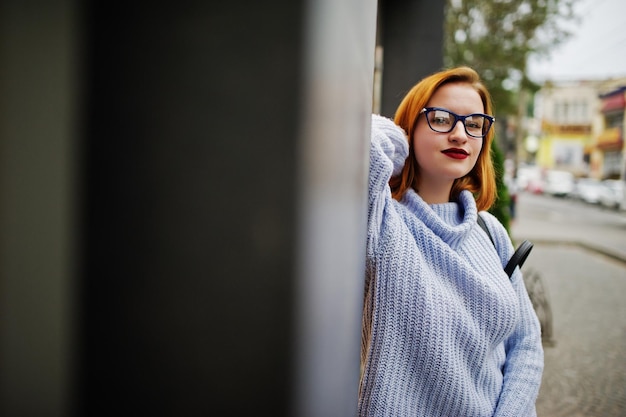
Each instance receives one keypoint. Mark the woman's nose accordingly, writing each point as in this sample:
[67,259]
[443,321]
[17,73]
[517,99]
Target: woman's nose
[458,132]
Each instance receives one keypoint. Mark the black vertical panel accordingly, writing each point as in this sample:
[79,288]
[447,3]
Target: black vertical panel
[189,136]
[412,40]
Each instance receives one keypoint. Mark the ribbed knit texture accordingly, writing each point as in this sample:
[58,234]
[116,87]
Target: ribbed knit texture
[446,332]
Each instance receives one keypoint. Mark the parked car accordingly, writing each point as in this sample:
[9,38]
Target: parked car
[559,183]
[535,186]
[529,179]
[612,193]
[588,190]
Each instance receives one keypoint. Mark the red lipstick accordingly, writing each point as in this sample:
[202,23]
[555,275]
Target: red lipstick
[455,153]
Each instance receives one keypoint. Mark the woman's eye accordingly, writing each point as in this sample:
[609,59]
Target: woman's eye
[441,120]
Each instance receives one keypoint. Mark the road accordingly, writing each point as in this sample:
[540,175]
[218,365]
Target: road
[580,260]
[551,219]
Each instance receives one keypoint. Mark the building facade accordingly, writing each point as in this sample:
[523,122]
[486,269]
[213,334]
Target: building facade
[580,126]
[566,114]
[607,151]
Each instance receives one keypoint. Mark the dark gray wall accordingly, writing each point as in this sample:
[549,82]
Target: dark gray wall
[411,33]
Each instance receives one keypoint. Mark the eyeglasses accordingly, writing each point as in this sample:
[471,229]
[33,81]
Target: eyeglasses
[440,120]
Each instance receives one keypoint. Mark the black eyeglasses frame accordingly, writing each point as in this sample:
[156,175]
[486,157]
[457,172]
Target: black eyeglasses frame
[459,118]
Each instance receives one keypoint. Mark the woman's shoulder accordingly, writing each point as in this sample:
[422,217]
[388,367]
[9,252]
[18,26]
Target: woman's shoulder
[494,225]
[499,235]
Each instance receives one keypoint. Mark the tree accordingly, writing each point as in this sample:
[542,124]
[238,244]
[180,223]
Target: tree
[496,37]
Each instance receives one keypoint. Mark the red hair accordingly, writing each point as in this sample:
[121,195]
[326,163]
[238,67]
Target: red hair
[481,180]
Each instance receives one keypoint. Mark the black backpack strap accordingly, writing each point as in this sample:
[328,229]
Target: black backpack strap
[483,225]
[520,255]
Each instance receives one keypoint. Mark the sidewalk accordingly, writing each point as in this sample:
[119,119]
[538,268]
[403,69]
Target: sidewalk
[580,268]
[584,372]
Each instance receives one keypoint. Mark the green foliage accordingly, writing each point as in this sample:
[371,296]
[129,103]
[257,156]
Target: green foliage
[500,209]
[496,37]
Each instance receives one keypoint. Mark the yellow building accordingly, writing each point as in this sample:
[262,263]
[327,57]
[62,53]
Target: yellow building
[566,115]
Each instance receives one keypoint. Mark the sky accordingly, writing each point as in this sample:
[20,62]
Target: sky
[596,50]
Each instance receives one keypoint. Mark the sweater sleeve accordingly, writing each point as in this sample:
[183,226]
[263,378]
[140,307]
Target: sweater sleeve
[523,366]
[388,150]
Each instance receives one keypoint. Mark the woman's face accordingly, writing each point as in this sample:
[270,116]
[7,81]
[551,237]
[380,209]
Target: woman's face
[444,157]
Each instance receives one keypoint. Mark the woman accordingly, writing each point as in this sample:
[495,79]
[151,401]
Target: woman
[445,331]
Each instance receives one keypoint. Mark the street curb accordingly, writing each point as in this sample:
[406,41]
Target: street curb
[602,250]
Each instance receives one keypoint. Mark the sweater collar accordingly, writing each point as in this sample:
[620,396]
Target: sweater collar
[451,221]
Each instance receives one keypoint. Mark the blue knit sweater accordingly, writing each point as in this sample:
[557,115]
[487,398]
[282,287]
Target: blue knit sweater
[446,332]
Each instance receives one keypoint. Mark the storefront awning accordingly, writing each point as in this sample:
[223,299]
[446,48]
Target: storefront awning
[613,102]
[610,139]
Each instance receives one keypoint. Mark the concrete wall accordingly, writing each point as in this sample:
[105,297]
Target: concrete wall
[182,206]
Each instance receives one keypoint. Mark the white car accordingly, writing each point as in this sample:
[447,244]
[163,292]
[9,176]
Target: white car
[588,190]
[559,183]
[612,193]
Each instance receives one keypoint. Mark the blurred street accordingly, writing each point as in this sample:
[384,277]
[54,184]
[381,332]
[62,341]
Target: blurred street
[580,257]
